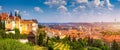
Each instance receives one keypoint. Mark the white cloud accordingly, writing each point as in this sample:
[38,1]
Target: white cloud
[99,13]
[102,3]
[0,7]
[97,2]
[16,10]
[38,9]
[60,5]
[73,4]
[108,4]
[63,11]
[25,13]
[82,1]
[53,3]
[62,8]
[97,7]
[82,7]
[79,8]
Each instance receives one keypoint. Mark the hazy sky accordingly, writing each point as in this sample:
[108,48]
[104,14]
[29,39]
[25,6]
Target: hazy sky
[64,10]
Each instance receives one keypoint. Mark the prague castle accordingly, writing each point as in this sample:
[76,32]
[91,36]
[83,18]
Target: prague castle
[16,22]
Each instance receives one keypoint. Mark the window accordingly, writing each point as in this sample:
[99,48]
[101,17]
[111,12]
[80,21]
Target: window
[8,22]
[20,25]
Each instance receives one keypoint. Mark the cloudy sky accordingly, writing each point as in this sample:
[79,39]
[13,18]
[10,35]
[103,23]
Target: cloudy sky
[49,11]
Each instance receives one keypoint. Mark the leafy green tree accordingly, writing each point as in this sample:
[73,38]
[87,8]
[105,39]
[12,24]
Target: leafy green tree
[74,39]
[97,43]
[2,24]
[69,38]
[66,40]
[105,47]
[47,41]
[2,34]
[90,41]
[41,38]
[76,46]
[115,46]
[41,26]
[57,37]
[83,42]
[50,44]
[17,33]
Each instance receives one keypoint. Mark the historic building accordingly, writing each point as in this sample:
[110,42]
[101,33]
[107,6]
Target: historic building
[12,22]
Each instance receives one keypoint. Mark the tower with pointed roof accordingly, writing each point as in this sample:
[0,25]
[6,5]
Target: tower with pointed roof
[16,13]
[19,15]
[10,14]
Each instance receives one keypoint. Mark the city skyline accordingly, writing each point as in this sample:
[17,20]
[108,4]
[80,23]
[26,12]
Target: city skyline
[63,11]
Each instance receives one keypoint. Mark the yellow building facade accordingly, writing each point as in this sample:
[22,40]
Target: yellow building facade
[24,26]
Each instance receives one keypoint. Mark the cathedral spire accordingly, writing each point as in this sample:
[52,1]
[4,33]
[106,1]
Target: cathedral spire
[10,14]
[16,13]
[19,15]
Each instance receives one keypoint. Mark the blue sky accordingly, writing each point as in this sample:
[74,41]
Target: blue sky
[62,11]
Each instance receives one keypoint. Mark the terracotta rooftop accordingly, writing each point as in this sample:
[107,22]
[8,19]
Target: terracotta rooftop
[110,38]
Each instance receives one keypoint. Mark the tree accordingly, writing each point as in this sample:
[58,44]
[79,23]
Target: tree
[105,47]
[19,15]
[74,39]
[75,45]
[83,42]
[3,34]
[41,26]
[2,24]
[57,37]
[69,38]
[115,46]
[41,38]
[17,33]
[89,41]
[97,43]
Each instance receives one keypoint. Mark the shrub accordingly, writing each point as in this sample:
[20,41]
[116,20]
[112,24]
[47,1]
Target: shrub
[2,34]
[17,33]
[23,36]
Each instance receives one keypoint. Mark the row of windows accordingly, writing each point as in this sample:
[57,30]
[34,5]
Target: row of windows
[8,22]
[26,25]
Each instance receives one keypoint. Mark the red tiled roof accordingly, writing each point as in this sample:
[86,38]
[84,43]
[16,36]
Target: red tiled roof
[110,38]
